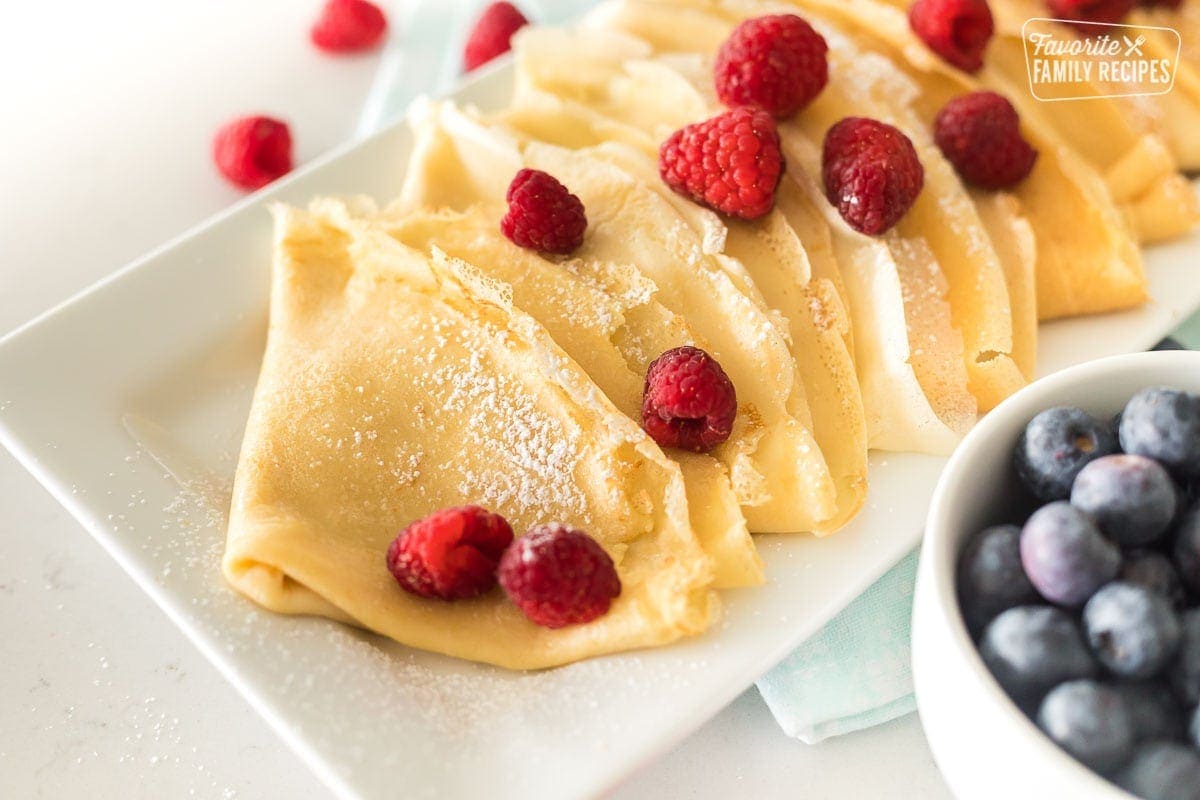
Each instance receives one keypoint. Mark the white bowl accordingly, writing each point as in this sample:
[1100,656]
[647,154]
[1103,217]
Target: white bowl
[984,746]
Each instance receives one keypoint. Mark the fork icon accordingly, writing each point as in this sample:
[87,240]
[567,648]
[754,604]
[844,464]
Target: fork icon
[1134,47]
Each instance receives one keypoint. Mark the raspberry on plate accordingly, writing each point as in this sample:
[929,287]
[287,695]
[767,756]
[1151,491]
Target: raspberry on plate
[253,151]
[559,576]
[980,134]
[542,214]
[1105,11]
[872,173]
[688,401]
[348,26]
[451,554]
[957,30]
[777,63]
[492,34]
[731,163]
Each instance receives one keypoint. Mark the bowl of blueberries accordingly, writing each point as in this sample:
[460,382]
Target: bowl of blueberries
[1056,622]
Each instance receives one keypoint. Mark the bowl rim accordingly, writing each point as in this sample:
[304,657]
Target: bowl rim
[940,548]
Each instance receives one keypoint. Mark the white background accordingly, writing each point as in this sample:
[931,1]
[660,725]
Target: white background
[106,114]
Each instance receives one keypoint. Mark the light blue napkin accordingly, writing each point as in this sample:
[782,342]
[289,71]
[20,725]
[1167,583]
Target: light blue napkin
[855,673]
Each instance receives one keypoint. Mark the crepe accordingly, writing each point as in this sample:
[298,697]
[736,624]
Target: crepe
[1107,133]
[807,292]
[594,311]
[777,470]
[394,384]
[910,357]
[1088,259]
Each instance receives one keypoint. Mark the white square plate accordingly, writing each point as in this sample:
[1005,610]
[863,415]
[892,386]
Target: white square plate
[128,403]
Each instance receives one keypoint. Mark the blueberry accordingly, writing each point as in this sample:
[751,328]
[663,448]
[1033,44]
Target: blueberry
[1187,549]
[1032,649]
[1065,556]
[1164,424]
[1153,710]
[1185,672]
[1194,727]
[1132,498]
[1132,631]
[990,576]
[1088,720]
[1055,446]
[1162,771]
[1155,571]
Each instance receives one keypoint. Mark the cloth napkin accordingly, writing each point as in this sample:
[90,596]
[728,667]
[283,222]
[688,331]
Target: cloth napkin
[855,673]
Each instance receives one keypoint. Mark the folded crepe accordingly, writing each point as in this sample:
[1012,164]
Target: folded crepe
[1088,259]
[624,91]
[604,316]
[910,357]
[396,383]
[777,470]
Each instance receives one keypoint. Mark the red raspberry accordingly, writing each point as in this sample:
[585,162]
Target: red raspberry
[559,576]
[775,63]
[980,134]
[731,163]
[348,26]
[450,554]
[1106,11]
[957,30]
[871,172]
[688,401]
[253,151]
[492,34]
[542,214]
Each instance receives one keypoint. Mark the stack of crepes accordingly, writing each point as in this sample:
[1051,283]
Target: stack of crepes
[418,359]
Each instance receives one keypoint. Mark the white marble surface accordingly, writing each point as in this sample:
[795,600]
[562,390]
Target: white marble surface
[108,111]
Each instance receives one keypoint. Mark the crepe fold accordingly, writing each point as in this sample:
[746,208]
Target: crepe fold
[395,383]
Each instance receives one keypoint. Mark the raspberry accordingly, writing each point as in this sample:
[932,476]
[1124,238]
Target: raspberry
[731,163]
[559,576]
[688,401]
[542,214]
[1163,3]
[871,172]
[450,554]
[253,151]
[775,63]
[492,34]
[348,26]
[1106,11]
[957,30]
[980,134]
